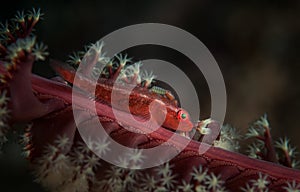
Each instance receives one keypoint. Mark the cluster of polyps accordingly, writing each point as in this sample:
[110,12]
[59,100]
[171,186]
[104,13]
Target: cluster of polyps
[120,67]
[65,163]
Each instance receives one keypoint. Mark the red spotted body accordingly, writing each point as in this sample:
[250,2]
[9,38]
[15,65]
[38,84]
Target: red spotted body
[139,100]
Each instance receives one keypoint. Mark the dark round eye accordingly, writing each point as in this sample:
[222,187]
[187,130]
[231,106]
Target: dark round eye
[181,115]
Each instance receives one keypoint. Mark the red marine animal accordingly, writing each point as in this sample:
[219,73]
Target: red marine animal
[141,96]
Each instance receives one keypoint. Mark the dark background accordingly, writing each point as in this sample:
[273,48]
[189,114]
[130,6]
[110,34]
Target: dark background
[256,45]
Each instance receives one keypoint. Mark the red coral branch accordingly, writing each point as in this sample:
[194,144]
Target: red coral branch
[235,169]
[62,159]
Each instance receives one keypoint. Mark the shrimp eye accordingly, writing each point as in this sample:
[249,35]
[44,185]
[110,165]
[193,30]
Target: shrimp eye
[181,115]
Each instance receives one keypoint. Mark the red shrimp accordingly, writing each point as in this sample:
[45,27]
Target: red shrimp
[139,100]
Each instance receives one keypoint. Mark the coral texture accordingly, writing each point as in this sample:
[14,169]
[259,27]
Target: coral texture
[63,161]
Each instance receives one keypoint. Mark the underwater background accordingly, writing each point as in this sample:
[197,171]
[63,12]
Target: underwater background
[256,45]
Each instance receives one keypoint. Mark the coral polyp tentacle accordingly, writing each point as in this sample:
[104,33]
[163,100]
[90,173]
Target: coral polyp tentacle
[147,78]
[123,60]
[98,46]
